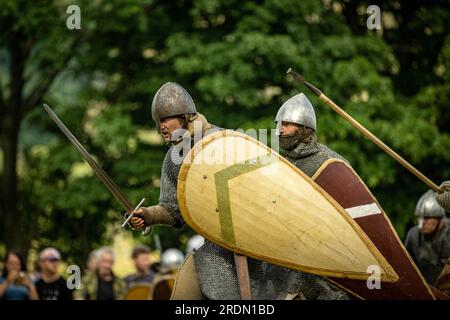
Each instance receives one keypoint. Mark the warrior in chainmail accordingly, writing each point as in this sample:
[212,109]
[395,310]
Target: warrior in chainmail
[176,118]
[215,268]
[296,125]
[428,243]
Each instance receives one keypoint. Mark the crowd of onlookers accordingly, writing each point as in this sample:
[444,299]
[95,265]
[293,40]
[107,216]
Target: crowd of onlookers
[47,284]
[98,281]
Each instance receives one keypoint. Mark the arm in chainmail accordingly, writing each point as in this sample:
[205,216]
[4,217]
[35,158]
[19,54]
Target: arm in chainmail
[169,177]
[168,192]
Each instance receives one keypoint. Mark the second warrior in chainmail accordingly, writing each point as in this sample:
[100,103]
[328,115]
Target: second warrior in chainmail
[296,125]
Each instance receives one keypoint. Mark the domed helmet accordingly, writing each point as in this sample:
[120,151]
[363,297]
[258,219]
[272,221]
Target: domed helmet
[428,207]
[194,243]
[296,109]
[172,100]
[172,258]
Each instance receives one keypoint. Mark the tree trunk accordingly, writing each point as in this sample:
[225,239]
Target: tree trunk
[12,116]
[11,216]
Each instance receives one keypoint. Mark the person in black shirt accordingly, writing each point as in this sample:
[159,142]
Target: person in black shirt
[101,284]
[105,289]
[51,286]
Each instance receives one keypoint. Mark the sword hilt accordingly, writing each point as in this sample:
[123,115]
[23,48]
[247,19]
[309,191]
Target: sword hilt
[147,230]
[127,220]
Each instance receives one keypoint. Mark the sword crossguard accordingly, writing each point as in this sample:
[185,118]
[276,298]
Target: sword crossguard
[127,220]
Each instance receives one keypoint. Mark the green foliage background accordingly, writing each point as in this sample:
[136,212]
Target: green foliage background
[232,57]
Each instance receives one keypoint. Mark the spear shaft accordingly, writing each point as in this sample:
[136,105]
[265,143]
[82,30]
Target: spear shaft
[364,131]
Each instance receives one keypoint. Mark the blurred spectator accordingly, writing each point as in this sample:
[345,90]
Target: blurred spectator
[142,263]
[15,283]
[92,261]
[51,286]
[102,284]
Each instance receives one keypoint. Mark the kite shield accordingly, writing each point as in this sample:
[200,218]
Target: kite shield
[245,197]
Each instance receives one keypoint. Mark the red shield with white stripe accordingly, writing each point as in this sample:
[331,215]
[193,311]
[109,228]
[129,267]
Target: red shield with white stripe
[342,183]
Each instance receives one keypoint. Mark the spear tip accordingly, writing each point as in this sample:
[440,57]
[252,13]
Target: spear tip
[296,76]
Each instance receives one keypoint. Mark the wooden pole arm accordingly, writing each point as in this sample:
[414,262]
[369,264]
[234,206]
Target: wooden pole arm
[366,132]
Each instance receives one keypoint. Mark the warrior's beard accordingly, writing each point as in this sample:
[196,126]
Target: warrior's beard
[291,141]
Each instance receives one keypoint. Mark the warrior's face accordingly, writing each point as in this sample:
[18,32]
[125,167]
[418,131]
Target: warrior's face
[288,128]
[429,225]
[169,125]
[292,134]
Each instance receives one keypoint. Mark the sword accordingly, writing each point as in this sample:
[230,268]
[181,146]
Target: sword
[99,172]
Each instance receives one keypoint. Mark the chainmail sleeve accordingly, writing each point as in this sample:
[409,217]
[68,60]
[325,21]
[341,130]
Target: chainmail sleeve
[169,178]
[168,197]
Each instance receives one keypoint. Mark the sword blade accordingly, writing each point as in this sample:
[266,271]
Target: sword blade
[100,173]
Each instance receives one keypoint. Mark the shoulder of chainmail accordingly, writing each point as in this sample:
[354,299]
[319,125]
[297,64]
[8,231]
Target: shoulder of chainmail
[311,157]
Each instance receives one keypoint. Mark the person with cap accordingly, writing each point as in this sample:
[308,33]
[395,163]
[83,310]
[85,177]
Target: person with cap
[51,286]
[428,242]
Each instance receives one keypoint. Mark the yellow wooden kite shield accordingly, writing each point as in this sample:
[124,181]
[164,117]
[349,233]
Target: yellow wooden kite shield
[242,195]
